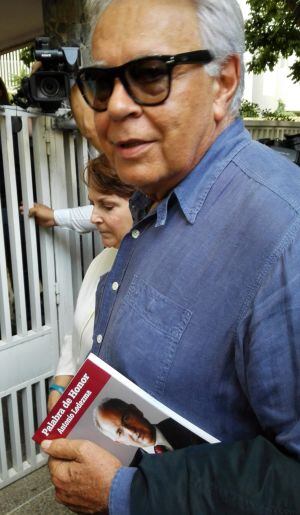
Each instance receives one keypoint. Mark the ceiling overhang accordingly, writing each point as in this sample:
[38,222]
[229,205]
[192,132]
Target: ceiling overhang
[20,22]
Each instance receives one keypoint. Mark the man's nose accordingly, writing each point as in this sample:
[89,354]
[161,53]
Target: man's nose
[120,104]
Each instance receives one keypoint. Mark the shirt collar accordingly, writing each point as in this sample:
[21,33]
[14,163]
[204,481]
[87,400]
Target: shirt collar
[160,440]
[193,190]
[139,205]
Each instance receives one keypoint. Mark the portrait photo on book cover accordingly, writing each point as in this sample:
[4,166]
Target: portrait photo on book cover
[125,424]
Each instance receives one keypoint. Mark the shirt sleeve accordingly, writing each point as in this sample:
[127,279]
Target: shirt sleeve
[268,351]
[66,363]
[119,498]
[76,218]
[251,477]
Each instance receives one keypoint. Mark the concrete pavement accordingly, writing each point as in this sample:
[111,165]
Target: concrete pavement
[31,495]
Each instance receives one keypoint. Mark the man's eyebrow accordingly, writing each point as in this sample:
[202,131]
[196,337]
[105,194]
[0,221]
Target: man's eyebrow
[140,56]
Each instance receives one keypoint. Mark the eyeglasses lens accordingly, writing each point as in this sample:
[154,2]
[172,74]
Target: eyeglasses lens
[147,82]
[97,86]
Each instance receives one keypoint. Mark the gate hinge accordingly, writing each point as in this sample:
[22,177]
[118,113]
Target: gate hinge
[48,142]
[57,293]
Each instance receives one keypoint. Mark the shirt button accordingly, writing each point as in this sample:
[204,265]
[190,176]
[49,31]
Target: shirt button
[135,234]
[115,286]
[99,338]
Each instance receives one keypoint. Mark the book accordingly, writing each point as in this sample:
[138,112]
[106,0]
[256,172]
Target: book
[103,406]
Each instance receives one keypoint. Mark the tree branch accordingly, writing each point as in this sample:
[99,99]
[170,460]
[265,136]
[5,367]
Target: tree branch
[294,6]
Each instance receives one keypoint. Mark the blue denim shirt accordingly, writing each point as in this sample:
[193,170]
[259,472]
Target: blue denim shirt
[202,306]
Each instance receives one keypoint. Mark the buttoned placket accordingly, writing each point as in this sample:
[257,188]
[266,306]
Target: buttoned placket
[114,280]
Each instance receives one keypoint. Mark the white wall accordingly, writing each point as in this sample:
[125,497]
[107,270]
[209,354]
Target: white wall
[267,88]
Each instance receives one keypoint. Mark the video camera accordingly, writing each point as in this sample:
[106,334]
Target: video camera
[50,85]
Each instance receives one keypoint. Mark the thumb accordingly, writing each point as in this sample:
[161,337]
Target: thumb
[62,448]
[32,211]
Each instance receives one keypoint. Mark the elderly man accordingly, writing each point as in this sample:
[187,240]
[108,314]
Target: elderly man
[126,424]
[202,306]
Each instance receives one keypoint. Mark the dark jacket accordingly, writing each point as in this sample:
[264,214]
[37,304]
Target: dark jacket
[177,435]
[244,478]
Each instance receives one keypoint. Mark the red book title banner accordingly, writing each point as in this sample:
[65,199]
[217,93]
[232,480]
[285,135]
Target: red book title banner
[83,389]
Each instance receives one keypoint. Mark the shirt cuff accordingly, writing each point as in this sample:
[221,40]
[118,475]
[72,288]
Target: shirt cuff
[119,497]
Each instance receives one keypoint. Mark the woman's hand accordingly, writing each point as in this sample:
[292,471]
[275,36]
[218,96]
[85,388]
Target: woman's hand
[44,215]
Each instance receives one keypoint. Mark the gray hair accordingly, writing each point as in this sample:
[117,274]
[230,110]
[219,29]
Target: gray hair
[221,26]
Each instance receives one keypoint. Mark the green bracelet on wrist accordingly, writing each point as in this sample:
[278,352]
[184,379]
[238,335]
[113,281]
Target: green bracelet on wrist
[57,388]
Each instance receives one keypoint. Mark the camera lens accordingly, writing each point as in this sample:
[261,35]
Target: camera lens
[50,87]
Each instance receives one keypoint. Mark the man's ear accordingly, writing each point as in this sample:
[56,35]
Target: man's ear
[225,86]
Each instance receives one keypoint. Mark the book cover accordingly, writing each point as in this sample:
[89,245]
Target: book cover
[103,406]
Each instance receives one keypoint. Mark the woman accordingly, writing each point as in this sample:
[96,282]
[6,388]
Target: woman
[113,220]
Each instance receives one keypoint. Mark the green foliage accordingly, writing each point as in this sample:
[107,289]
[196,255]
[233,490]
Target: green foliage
[17,79]
[281,106]
[273,31]
[249,109]
[252,110]
[276,115]
[26,56]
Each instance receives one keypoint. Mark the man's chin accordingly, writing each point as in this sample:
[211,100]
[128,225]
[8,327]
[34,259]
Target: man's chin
[143,176]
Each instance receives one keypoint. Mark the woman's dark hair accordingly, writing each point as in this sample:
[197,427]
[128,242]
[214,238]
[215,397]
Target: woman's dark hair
[100,176]
[4,98]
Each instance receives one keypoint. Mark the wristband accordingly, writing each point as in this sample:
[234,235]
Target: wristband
[57,388]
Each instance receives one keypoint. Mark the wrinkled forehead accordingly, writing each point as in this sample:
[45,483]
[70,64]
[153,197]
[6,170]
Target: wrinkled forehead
[129,29]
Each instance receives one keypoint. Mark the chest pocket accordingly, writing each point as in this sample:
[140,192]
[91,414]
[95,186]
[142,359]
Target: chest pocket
[143,335]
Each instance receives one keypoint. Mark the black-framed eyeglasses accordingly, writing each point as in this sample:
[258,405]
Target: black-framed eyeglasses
[147,80]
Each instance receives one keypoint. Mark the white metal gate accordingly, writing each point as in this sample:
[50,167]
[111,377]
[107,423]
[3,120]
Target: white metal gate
[40,274]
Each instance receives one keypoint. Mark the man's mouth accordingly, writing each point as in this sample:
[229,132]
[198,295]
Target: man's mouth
[132,147]
[130,143]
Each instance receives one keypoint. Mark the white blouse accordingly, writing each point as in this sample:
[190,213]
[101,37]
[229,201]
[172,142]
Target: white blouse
[76,346]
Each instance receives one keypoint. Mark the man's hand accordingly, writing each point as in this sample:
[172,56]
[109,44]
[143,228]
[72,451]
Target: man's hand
[44,215]
[82,473]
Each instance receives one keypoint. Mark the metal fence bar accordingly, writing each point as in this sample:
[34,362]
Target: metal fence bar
[5,318]
[72,193]
[63,261]
[30,231]
[3,456]
[43,196]
[27,404]
[40,397]
[87,239]
[13,223]
[14,429]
